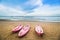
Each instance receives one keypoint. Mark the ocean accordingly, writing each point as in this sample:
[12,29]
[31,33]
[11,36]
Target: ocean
[31,18]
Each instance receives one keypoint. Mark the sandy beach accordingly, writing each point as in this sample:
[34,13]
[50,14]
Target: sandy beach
[51,30]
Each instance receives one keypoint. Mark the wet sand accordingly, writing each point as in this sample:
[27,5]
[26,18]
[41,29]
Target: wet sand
[51,30]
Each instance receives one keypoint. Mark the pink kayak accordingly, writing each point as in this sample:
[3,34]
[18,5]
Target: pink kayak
[39,30]
[24,31]
[16,29]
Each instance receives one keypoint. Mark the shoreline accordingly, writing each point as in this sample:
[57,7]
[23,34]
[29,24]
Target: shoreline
[28,20]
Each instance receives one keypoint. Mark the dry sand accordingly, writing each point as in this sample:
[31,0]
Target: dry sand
[51,30]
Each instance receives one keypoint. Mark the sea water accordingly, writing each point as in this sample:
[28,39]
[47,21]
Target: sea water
[32,18]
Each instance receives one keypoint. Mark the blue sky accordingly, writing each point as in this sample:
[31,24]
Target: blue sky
[29,7]
[52,2]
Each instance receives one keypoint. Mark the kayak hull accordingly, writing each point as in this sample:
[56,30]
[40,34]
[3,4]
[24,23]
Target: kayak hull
[18,28]
[24,31]
[39,30]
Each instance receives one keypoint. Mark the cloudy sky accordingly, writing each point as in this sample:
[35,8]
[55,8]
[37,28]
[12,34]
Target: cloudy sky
[29,7]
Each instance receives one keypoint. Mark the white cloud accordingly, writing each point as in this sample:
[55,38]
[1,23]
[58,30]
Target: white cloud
[8,11]
[17,11]
[30,5]
[46,11]
[42,10]
[35,2]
